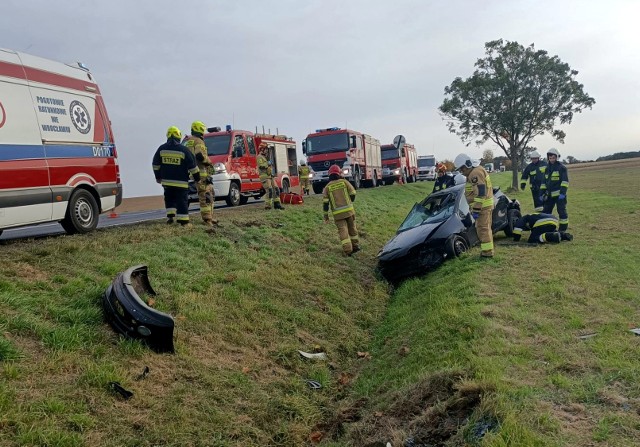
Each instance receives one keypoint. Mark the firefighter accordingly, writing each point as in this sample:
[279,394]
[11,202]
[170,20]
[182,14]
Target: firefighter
[206,196]
[339,195]
[265,170]
[543,227]
[479,195]
[554,189]
[444,180]
[303,173]
[173,163]
[534,172]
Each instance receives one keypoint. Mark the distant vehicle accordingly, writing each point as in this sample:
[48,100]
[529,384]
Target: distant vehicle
[438,228]
[399,162]
[356,153]
[58,159]
[426,167]
[234,157]
[488,167]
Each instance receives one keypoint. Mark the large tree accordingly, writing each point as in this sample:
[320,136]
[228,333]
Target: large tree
[514,95]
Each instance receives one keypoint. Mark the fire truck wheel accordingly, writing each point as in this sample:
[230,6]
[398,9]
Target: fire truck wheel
[82,213]
[233,199]
[356,179]
[244,200]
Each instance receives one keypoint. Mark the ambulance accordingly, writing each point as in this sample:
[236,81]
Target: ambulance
[58,159]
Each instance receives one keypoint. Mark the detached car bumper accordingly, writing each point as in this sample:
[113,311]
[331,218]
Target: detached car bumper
[131,317]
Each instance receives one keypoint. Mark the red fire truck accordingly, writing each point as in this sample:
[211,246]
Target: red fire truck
[58,159]
[356,153]
[234,157]
[399,162]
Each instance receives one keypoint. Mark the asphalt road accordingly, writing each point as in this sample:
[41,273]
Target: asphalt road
[132,218]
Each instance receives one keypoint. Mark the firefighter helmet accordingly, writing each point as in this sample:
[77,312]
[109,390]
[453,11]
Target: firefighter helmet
[302,163]
[553,151]
[462,161]
[198,127]
[534,154]
[174,132]
[335,169]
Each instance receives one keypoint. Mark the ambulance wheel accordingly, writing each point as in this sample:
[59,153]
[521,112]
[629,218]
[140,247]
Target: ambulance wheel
[82,213]
[233,199]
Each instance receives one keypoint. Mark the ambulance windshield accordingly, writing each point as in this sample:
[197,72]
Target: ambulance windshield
[218,145]
[327,143]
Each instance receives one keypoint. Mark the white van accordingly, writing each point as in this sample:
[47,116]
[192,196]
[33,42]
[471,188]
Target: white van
[58,160]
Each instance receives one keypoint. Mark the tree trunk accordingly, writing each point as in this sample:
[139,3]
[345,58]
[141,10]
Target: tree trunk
[515,169]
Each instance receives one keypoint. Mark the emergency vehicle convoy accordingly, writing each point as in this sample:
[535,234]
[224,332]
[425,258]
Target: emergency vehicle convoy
[58,159]
[234,157]
[426,167]
[399,162]
[357,154]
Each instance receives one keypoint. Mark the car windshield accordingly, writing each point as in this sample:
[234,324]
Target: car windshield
[426,162]
[327,143]
[389,153]
[433,209]
[218,145]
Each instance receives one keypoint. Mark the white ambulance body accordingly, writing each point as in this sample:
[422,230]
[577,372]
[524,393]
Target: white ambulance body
[58,160]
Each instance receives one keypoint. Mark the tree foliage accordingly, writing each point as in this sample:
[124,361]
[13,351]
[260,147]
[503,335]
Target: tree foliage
[487,156]
[515,94]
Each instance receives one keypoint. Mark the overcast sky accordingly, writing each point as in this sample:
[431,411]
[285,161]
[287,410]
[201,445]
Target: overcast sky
[376,66]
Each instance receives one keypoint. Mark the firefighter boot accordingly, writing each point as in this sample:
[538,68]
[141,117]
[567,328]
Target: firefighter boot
[566,236]
[169,220]
[277,205]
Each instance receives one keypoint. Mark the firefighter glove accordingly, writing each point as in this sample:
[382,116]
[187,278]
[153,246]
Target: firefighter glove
[562,197]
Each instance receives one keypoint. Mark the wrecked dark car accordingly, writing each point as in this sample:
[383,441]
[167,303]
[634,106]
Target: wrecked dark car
[440,227]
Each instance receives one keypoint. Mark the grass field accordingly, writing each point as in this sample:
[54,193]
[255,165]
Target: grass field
[531,348]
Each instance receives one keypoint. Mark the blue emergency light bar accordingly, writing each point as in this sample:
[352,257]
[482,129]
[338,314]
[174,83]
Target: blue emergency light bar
[228,127]
[329,129]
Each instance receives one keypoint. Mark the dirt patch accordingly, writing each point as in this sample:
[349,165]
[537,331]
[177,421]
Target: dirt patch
[147,203]
[431,413]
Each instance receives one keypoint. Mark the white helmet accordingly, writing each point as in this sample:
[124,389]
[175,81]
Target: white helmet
[534,154]
[459,179]
[462,160]
[553,151]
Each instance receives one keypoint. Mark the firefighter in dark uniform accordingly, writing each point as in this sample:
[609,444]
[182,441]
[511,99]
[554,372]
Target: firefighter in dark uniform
[173,163]
[265,170]
[303,173]
[543,227]
[339,195]
[534,172]
[206,196]
[443,180]
[479,194]
[554,191]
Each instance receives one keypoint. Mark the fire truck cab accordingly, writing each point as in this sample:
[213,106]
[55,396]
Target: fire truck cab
[356,153]
[58,160]
[234,156]
[399,162]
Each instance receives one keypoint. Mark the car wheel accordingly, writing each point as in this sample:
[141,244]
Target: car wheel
[456,245]
[233,199]
[512,218]
[82,213]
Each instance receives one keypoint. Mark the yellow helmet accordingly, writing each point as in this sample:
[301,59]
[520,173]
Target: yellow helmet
[198,127]
[174,132]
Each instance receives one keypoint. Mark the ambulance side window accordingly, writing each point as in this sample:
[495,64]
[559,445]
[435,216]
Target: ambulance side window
[252,147]
[238,146]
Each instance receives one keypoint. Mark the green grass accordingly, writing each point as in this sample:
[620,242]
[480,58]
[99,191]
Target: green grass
[476,343]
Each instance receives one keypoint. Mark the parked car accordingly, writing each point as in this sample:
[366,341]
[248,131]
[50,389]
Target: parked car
[438,228]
